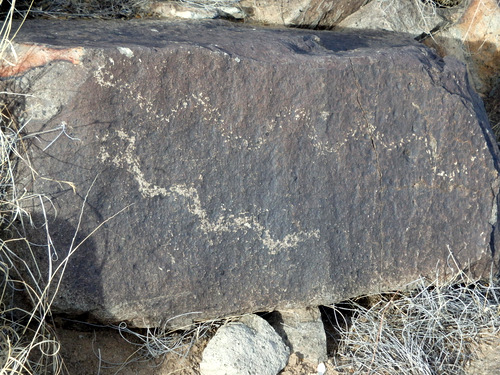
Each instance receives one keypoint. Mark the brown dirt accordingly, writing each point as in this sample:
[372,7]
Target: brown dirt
[81,349]
[488,356]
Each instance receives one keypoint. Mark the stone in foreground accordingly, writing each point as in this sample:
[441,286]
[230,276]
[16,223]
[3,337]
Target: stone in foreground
[304,333]
[250,346]
[257,169]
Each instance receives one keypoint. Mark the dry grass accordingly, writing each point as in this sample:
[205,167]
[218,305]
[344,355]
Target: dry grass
[106,9]
[447,3]
[23,334]
[28,343]
[27,338]
[153,344]
[432,330]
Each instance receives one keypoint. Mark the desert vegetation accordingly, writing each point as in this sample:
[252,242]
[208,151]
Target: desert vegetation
[432,329]
[105,9]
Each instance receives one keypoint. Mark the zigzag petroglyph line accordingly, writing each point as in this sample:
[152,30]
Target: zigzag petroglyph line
[224,223]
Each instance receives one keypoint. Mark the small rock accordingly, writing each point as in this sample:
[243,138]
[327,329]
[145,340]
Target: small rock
[250,346]
[303,331]
[183,11]
[231,12]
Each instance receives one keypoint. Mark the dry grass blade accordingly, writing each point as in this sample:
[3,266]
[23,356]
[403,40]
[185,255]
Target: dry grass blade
[429,331]
[109,8]
[27,343]
[27,339]
[153,344]
[5,31]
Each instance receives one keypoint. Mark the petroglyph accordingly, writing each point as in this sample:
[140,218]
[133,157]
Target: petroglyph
[103,77]
[129,161]
[241,222]
[210,113]
[231,223]
[236,136]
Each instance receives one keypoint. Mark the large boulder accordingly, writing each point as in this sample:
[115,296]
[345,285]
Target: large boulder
[257,169]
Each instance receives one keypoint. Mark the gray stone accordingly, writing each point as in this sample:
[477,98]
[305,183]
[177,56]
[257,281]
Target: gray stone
[172,9]
[302,13]
[303,332]
[258,169]
[403,16]
[250,346]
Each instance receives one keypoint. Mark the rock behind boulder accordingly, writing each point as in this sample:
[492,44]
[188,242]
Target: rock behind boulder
[260,169]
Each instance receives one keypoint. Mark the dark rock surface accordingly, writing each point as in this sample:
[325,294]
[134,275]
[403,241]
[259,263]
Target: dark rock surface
[259,168]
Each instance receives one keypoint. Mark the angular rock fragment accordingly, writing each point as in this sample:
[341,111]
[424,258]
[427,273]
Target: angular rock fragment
[257,169]
[303,332]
